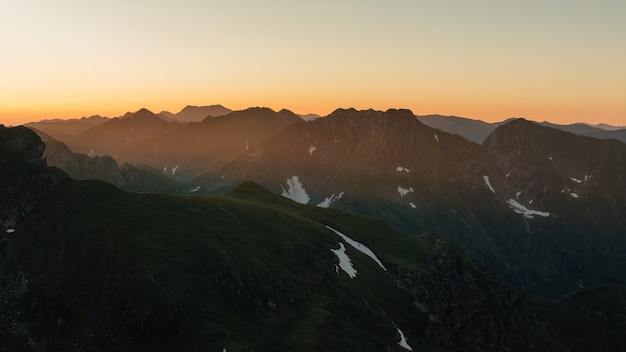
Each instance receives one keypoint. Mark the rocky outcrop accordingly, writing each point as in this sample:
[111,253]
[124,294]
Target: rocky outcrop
[470,309]
[85,167]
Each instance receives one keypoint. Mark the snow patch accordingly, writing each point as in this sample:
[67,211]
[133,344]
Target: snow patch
[517,194]
[164,169]
[576,180]
[196,189]
[344,261]
[549,157]
[400,169]
[412,205]
[10,230]
[359,247]
[174,170]
[404,191]
[520,209]
[574,195]
[312,149]
[509,173]
[295,191]
[330,200]
[403,342]
[436,138]
[587,177]
[488,183]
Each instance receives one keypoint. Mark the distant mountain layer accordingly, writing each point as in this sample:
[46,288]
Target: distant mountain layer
[145,138]
[61,129]
[198,113]
[477,131]
[85,266]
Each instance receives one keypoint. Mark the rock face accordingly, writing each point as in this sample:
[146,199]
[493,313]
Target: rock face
[468,307]
[85,266]
[105,168]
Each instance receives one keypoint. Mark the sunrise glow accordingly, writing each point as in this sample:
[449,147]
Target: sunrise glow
[561,61]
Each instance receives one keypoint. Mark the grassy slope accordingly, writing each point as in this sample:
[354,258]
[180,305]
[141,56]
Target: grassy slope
[246,271]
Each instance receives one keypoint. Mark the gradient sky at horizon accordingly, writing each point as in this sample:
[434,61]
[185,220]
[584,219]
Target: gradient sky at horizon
[562,61]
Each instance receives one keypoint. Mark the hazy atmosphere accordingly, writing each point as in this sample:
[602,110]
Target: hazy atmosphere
[561,61]
[312,176]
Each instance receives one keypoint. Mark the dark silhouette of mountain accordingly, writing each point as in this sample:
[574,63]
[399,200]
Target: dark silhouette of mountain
[85,266]
[506,203]
[198,113]
[61,129]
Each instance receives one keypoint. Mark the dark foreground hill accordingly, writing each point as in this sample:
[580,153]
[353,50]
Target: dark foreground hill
[86,267]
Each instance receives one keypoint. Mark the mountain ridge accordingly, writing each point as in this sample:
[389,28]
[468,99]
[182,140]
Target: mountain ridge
[419,179]
[114,275]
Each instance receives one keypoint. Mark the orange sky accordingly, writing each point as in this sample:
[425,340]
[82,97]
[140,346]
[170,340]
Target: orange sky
[561,61]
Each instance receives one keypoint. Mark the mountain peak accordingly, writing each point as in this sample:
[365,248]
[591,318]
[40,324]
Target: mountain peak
[192,113]
[143,112]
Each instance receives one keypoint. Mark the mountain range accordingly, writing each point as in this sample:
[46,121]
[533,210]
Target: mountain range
[85,266]
[541,207]
[477,131]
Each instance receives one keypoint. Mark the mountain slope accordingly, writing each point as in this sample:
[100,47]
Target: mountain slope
[249,270]
[197,147]
[121,137]
[143,138]
[581,183]
[85,167]
[389,165]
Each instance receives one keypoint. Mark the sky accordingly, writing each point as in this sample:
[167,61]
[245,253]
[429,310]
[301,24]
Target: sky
[556,60]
